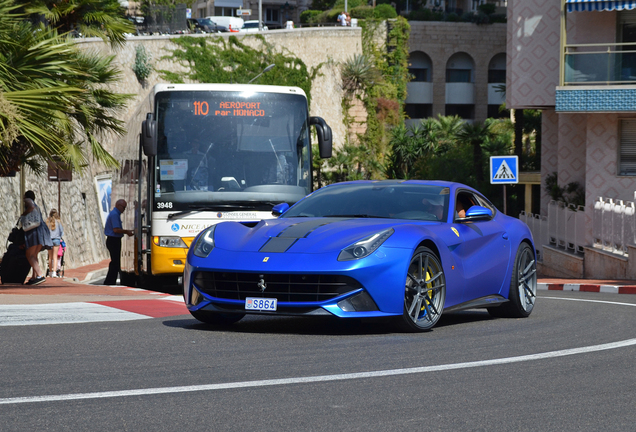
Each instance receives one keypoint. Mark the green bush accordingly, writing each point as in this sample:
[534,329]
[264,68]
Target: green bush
[362,12]
[452,17]
[385,11]
[308,16]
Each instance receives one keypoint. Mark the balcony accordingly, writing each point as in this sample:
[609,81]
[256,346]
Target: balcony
[600,64]
[598,78]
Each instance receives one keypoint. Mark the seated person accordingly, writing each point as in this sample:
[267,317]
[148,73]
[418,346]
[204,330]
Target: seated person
[464,202]
[433,209]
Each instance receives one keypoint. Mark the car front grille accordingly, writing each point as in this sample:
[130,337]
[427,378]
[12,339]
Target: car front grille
[283,287]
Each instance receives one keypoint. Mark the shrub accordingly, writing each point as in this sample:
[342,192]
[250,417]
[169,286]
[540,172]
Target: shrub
[385,11]
[362,12]
[309,16]
[142,67]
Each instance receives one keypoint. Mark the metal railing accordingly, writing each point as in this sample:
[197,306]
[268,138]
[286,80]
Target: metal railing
[600,64]
[614,225]
[539,228]
[566,226]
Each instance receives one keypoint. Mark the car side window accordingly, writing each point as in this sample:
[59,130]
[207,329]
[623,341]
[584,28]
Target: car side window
[463,202]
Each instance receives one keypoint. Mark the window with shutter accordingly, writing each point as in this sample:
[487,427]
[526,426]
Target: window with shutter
[627,153]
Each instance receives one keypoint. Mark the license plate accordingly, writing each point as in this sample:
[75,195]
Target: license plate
[266,304]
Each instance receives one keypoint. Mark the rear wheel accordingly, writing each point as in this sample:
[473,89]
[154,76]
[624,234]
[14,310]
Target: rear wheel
[216,317]
[424,292]
[523,286]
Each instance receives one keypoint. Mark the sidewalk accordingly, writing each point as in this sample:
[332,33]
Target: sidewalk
[83,284]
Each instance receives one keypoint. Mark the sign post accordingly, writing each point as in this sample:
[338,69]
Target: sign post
[504,170]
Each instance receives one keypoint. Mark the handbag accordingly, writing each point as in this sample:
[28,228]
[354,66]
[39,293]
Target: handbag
[16,236]
[31,220]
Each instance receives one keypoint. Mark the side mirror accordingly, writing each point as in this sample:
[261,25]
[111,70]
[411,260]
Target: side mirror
[324,136]
[149,135]
[478,213]
[279,209]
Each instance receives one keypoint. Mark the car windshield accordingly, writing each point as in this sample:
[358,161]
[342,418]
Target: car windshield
[205,21]
[250,25]
[376,199]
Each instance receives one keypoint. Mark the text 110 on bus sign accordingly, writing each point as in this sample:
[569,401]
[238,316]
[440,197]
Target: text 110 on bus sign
[232,109]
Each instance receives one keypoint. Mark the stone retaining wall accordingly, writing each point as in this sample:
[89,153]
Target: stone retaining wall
[79,208]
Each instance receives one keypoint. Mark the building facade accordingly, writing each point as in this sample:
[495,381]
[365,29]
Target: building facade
[275,13]
[458,69]
[576,61]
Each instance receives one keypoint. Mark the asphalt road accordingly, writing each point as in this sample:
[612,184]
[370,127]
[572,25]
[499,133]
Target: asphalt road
[571,366]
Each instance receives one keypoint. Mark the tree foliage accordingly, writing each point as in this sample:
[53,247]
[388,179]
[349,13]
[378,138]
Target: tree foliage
[219,60]
[54,98]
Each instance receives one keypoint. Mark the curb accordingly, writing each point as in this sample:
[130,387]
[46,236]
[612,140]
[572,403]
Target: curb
[612,289]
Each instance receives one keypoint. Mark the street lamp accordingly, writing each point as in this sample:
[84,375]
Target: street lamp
[264,70]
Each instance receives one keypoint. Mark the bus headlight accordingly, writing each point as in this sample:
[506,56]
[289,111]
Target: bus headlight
[205,243]
[170,242]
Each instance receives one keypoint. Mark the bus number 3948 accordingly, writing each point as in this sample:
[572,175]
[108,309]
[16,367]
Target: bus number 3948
[164,205]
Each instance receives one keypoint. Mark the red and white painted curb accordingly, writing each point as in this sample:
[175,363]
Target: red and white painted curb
[86,312]
[612,289]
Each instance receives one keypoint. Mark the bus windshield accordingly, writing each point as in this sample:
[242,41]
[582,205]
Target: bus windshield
[226,150]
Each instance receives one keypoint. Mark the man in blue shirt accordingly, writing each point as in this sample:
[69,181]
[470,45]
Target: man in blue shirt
[114,232]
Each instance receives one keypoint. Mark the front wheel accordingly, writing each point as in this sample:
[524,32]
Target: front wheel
[523,286]
[216,318]
[424,292]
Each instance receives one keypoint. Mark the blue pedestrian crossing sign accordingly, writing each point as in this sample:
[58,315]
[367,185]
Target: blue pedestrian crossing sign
[504,169]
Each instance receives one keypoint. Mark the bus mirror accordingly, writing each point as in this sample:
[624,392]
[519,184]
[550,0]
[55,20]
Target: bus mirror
[149,135]
[324,136]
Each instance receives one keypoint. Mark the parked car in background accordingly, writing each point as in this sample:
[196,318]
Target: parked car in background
[252,26]
[204,25]
[233,24]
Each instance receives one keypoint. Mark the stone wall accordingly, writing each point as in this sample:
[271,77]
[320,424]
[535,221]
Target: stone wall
[78,204]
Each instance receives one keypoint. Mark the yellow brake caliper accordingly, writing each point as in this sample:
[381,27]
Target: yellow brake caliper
[430,292]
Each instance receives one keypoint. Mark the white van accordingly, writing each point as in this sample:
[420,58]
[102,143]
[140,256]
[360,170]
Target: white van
[233,24]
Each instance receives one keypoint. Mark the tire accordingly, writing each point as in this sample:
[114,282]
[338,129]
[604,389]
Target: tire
[424,293]
[523,286]
[216,318]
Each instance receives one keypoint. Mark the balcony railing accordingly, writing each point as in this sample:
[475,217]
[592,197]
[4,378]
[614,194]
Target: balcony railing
[600,64]
[614,225]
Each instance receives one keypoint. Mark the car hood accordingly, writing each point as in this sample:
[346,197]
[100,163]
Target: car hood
[300,235]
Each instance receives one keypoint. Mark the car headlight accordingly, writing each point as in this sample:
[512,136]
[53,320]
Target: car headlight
[365,247]
[171,242]
[205,243]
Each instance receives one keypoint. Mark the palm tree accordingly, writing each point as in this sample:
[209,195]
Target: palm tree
[53,97]
[91,18]
[476,134]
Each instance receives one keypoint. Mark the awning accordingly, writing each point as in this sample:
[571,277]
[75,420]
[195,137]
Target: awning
[600,5]
[231,3]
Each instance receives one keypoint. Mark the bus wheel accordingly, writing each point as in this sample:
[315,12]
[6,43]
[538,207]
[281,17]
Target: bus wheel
[216,317]
[128,279]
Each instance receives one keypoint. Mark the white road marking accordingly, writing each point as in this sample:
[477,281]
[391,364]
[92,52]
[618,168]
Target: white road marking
[589,301]
[320,378]
[62,313]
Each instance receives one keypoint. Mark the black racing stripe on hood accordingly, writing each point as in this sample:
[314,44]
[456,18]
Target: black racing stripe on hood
[289,235]
[303,229]
[277,245]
